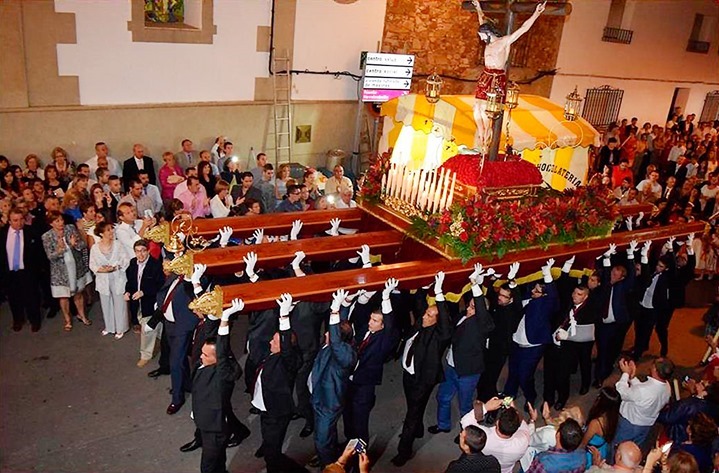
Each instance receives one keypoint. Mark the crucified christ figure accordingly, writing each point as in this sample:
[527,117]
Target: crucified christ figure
[494,75]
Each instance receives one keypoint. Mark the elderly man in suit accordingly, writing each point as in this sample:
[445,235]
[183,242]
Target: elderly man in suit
[272,392]
[134,163]
[212,386]
[422,364]
[465,357]
[144,279]
[19,270]
[329,380]
[179,321]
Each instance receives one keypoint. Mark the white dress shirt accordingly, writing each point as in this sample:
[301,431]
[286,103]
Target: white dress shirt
[257,400]
[649,293]
[10,247]
[450,352]
[218,208]
[642,401]
[409,368]
[506,451]
[127,235]
[140,163]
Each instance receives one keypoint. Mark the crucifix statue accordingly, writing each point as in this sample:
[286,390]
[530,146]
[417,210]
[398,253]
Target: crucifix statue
[494,76]
[496,58]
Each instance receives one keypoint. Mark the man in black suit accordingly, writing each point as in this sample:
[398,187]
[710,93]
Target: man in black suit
[272,394]
[246,190]
[614,316]
[653,301]
[375,346]
[465,357]
[144,279]
[19,270]
[173,299]
[422,364]
[137,161]
[212,387]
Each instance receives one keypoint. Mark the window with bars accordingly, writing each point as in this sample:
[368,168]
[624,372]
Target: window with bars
[613,31]
[601,106]
[710,111]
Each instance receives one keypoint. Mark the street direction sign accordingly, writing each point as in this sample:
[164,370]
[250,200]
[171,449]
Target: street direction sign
[388,71]
[385,83]
[384,59]
[372,95]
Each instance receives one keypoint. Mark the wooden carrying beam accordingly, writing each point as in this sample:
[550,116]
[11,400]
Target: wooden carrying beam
[633,210]
[419,273]
[313,222]
[272,255]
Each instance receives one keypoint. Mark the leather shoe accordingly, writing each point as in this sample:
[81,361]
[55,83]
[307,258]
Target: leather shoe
[584,390]
[237,438]
[306,431]
[259,453]
[173,409]
[434,429]
[400,460]
[157,373]
[558,406]
[16,327]
[191,446]
[597,384]
[456,440]
[35,328]
[295,416]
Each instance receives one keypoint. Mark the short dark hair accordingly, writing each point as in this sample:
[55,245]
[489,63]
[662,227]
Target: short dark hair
[346,331]
[292,188]
[85,206]
[101,227]
[133,182]
[259,155]
[191,179]
[475,438]
[611,140]
[185,141]
[246,174]
[570,434]
[99,172]
[509,421]
[143,171]
[99,143]
[141,242]
[114,178]
[82,166]
[664,367]
[226,144]
[268,167]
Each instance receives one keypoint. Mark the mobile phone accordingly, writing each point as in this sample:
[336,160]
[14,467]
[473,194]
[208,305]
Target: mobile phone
[361,446]
[666,447]
[686,378]
[507,401]
[148,213]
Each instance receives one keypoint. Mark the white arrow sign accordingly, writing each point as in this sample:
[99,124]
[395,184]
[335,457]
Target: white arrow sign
[383,59]
[382,83]
[388,71]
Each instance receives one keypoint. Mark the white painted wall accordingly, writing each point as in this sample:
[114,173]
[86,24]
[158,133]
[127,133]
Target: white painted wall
[648,69]
[112,69]
[330,37]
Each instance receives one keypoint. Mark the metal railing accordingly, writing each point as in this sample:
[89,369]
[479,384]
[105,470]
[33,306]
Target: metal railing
[601,106]
[698,46]
[710,111]
[617,35]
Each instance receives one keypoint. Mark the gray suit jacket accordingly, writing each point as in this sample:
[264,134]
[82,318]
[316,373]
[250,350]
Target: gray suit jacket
[181,158]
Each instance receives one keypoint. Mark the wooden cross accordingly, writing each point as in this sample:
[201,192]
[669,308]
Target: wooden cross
[510,8]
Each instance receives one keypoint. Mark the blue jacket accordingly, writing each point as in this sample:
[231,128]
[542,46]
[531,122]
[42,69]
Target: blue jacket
[620,296]
[538,314]
[331,372]
[185,319]
[373,356]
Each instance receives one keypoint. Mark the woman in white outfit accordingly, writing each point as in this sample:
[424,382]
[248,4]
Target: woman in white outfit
[108,261]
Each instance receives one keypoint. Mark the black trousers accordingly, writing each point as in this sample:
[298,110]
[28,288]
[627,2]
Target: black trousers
[494,362]
[234,426]
[610,340]
[417,394]
[554,387]
[361,399]
[164,360]
[214,454]
[180,342]
[23,295]
[664,317]
[579,352]
[304,398]
[643,326]
[274,429]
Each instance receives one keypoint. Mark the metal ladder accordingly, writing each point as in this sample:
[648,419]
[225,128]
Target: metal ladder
[282,108]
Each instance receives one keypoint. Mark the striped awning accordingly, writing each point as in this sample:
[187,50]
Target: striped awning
[535,123]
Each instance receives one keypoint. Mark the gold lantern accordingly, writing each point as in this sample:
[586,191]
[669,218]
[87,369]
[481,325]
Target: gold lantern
[512,99]
[494,108]
[433,87]
[571,105]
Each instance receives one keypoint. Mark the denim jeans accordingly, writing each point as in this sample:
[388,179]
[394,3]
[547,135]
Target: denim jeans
[453,384]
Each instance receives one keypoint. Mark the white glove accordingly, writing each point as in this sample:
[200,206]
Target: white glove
[611,251]
[273,238]
[629,223]
[334,227]
[645,251]
[389,286]
[547,270]
[237,305]
[562,334]
[639,219]
[337,299]
[364,255]
[296,227]
[349,298]
[669,245]
[197,274]
[491,273]
[568,264]
[250,260]
[225,235]
[690,244]
[285,303]
[299,256]
[633,245]
[259,236]
[438,281]
[513,270]
[477,276]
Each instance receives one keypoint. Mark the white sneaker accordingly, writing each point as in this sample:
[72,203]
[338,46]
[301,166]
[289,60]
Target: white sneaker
[119,335]
[105,332]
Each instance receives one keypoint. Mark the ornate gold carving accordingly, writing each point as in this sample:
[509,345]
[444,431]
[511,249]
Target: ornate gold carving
[182,264]
[159,234]
[209,303]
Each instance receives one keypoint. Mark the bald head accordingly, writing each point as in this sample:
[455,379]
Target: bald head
[628,455]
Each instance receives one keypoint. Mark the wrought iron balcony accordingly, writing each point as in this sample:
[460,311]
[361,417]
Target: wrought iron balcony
[617,35]
[698,46]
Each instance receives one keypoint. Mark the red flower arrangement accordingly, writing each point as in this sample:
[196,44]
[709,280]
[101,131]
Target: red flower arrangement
[487,227]
[371,189]
[513,171]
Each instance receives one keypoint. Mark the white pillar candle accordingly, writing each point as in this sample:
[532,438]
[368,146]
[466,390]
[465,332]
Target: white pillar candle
[438,191]
[451,191]
[415,186]
[400,182]
[425,185]
[403,190]
[395,179]
[432,189]
[383,184]
[390,173]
